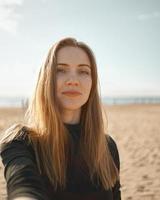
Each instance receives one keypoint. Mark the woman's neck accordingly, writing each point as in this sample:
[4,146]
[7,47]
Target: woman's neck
[71,116]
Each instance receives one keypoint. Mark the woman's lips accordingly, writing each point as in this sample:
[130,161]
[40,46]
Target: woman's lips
[71,93]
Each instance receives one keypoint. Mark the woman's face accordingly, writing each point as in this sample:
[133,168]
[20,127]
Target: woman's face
[73,76]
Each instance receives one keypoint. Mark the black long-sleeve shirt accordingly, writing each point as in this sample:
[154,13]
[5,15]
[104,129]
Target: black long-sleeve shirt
[23,178]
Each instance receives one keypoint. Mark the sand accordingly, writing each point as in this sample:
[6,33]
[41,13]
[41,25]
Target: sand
[136,130]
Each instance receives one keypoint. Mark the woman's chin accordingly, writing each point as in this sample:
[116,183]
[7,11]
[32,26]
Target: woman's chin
[71,107]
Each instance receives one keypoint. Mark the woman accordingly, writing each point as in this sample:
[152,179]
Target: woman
[61,152]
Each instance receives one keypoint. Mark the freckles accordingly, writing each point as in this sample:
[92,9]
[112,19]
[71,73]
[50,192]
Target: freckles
[60,80]
[87,84]
[89,80]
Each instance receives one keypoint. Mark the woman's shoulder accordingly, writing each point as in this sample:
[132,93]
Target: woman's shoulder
[16,146]
[23,135]
[111,142]
[15,136]
[113,149]
[15,131]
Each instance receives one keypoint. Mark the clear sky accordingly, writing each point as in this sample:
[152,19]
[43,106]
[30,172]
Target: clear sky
[124,35]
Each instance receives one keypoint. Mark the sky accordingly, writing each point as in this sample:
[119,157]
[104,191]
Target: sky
[123,34]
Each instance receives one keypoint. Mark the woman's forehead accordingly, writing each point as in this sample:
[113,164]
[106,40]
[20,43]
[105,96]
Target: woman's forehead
[72,54]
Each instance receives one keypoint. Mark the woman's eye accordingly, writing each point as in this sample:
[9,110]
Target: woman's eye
[84,72]
[60,70]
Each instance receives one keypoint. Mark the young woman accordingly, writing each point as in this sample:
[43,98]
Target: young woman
[61,151]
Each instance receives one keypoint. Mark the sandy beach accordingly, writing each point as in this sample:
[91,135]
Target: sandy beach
[136,130]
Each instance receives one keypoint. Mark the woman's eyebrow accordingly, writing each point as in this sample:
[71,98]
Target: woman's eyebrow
[64,64]
[85,65]
[80,65]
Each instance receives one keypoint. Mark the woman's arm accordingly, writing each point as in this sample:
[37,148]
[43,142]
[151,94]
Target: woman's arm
[21,173]
[24,198]
[116,191]
[115,154]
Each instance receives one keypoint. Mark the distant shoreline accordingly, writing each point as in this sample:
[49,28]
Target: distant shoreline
[22,102]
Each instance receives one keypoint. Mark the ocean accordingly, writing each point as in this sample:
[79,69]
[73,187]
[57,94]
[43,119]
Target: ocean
[22,101]
[131,100]
[12,101]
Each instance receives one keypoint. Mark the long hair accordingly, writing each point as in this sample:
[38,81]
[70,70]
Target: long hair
[49,136]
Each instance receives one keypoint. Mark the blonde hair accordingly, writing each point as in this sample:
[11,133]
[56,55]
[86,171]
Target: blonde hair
[49,136]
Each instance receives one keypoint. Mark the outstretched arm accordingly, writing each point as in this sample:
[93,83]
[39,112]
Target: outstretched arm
[21,173]
[24,198]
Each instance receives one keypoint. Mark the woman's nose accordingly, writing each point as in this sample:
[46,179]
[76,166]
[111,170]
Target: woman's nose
[72,80]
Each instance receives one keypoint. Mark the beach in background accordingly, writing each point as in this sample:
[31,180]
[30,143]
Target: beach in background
[136,130]
[21,101]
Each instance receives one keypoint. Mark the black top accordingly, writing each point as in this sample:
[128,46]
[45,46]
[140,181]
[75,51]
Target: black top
[23,178]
